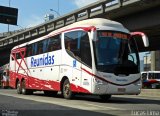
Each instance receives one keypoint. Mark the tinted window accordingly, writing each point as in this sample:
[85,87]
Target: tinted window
[157,75]
[77,45]
[144,76]
[29,50]
[151,76]
[34,49]
[54,43]
[47,45]
[85,49]
[39,47]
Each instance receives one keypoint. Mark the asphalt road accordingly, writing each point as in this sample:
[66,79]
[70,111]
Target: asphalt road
[12,104]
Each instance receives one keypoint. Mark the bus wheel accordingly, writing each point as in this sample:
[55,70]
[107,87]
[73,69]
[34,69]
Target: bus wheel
[19,89]
[67,93]
[24,90]
[105,97]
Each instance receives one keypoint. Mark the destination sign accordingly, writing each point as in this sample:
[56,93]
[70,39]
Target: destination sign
[114,35]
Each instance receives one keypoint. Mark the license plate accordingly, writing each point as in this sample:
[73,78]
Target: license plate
[121,89]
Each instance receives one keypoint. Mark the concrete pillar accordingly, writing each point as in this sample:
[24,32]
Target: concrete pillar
[153,60]
[157,60]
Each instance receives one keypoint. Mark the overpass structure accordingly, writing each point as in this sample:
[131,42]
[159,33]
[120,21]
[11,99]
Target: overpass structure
[6,34]
[136,15]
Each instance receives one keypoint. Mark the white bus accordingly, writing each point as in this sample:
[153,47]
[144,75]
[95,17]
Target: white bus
[150,79]
[94,56]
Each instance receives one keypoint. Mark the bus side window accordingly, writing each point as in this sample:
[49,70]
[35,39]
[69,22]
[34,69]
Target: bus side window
[158,75]
[39,47]
[72,43]
[50,46]
[29,51]
[151,76]
[77,45]
[85,49]
[144,76]
[54,43]
[34,49]
[45,45]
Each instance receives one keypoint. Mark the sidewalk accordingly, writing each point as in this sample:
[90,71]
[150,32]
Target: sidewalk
[150,92]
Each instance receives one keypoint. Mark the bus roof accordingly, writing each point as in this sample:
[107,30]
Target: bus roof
[96,22]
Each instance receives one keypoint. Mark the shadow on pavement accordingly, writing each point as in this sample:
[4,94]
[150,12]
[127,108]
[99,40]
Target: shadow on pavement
[117,100]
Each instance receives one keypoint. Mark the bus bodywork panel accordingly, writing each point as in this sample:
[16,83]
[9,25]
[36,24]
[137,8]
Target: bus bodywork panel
[46,71]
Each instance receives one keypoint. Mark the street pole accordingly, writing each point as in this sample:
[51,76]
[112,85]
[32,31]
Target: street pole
[146,63]
[9,6]
[55,12]
[153,60]
[9,3]
[147,67]
[58,7]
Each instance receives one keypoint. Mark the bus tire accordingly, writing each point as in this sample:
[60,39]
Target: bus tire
[105,97]
[19,88]
[24,90]
[66,91]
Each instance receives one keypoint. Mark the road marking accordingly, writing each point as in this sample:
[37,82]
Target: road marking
[61,102]
[82,105]
[104,107]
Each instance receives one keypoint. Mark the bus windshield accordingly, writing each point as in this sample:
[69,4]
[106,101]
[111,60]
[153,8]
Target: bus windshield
[116,53]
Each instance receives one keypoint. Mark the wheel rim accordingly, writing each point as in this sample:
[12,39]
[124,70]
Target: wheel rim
[23,90]
[23,87]
[66,89]
[18,87]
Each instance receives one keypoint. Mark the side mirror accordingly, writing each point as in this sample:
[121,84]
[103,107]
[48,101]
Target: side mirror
[144,37]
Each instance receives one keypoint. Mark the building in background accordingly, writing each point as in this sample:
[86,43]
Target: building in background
[147,61]
[151,61]
[48,17]
[157,60]
[141,65]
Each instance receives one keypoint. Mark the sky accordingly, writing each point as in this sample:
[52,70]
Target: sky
[32,12]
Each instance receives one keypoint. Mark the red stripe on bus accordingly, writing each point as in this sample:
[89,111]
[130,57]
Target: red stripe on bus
[17,50]
[79,89]
[76,28]
[38,84]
